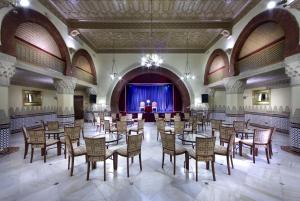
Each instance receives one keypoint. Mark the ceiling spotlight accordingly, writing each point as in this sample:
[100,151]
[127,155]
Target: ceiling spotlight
[24,3]
[271,4]
[74,33]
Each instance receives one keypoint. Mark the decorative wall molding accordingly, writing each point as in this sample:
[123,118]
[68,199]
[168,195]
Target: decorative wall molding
[292,68]
[91,91]
[65,111]
[7,69]
[234,86]
[65,86]
[34,110]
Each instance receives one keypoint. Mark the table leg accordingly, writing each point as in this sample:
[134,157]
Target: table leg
[115,161]
[59,148]
[187,161]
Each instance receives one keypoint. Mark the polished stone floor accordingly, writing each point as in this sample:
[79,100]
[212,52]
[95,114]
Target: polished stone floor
[21,180]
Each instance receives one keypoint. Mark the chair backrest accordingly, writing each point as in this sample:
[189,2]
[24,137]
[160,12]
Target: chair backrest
[168,116]
[154,104]
[128,116]
[168,141]
[225,133]
[230,145]
[161,124]
[186,116]
[142,104]
[52,125]
[179,127]
[113,116]
[262,136]
[177,118]
[123,118]
[96,148]
[106,125]
[25,134]
[193,122]
[239,126]
[121,126]
[134,145]
[205,147]
[141,124]
[101,116]
[37,138]
[69,144]
[73,132]
[216,124]
[140,116]
[79,122]
[156,116]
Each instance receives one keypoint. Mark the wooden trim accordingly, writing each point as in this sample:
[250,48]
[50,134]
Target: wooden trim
[262,48]
[83,70]
[221,68]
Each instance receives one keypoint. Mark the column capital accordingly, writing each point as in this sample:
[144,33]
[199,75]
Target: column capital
[7,69]
[91,91]
[210,91]
[65,86]
[234,86]
[292,68]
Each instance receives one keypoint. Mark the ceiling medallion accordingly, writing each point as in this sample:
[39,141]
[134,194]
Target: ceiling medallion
[151,59]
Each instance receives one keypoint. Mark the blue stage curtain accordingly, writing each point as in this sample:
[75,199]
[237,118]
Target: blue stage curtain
[160,93]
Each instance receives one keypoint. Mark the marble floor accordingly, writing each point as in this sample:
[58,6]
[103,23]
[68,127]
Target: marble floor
[21,180]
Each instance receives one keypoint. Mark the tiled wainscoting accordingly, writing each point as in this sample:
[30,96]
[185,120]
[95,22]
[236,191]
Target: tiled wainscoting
[30,120]
[295,135]
[4,136]
[66,118]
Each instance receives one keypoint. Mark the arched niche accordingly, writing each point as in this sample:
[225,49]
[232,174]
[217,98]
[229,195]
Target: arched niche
[176,81]
[271,47]
[217,67]
[31,37]
[83,67]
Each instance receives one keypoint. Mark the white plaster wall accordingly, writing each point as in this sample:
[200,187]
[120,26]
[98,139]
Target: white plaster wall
[220,98]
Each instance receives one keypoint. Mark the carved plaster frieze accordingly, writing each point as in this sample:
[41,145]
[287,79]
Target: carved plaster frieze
[292,68]
[91,91]
[7,69]
[210,91]
[234,86]
[65,86]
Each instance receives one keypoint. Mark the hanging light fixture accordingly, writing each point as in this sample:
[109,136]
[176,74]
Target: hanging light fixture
[151,59]
[187,75]
[114,69]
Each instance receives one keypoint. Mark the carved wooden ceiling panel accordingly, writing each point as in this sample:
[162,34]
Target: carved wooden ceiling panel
[99,21]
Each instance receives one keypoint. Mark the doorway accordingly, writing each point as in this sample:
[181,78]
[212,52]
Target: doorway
[78,107]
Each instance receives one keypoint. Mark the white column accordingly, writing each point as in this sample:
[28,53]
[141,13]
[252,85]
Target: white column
[7,70]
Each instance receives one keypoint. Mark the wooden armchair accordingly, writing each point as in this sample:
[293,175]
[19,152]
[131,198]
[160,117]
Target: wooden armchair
[96,151]
[108,127]
[161,127]
[74,134]
[205,148]
[132,149]
[122,129]
[171,148]
[26,141]
[139,129]
[215,126]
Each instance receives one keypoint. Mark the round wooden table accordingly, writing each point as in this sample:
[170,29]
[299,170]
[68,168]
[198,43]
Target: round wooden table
[55,133]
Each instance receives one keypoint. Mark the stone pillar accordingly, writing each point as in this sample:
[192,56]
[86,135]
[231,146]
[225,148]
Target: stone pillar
[7,70]
[65,99]
[211,101]
[234,99]
[292,69]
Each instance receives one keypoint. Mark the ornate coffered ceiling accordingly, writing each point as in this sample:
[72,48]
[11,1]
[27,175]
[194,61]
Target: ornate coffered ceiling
[128,22]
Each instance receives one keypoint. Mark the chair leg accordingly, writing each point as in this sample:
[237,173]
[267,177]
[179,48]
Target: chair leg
[228,165]
[68,162]
[241,148]
[26,150]
[207,165]
[104,167]
[31,157]
[44,153]
[72,165]
[170,158]
[267,154]
[270,150]
[163,160]
[231,162]
[65,151]
[253,153]
[140,160]
[88,170]
[132,159]
[127,166]
[174,169]
[213,170]
[196,170]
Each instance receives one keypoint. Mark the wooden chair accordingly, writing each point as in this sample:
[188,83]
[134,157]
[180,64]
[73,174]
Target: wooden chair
[161,127]
[215,125]
[96,151]
[132,149]
[74,134]
[186,116]
[171,148]
[139,129]
[26,141]
[156,116]
[260,138]
[224,133]
[37,139]
[113,117]
[100,121]
[80,122]
[205,148]
[168,117]
[122,129]
[200,121]
[52,125]
[239,127]
[178,127]
[73,152]
[108,127]
[227,136]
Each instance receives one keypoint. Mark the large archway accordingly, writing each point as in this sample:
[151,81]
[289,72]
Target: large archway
[18,16]
[284,19]
[119,88]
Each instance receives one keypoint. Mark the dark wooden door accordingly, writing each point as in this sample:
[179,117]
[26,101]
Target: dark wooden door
[78,107]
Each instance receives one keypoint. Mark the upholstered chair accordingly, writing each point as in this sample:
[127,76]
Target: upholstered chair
[225,133]
[215,125]
[96,151]
[156,116]
[261,138]
[178,127]
[132,149]
[52,125]
[108,127]
[154,106]
[122,128]
[142,106]
[80,122]
[139,129]
[26,141]
[205,151]
[161,127]
[171,148]
[38,140]
[227,136]
[74,133]
[73,152]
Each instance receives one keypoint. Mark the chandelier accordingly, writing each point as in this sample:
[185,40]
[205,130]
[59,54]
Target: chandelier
[187,75]
[114,69]
[151,59]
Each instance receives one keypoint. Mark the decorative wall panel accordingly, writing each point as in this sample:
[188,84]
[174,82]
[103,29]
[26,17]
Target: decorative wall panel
[4,136]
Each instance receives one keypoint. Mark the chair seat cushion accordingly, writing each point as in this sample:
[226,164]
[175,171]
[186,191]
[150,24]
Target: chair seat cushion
[192,153]
[247,141]
[221,150]
[80,150]
[108,154]
[51,142]
[179,149]
[122,151]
